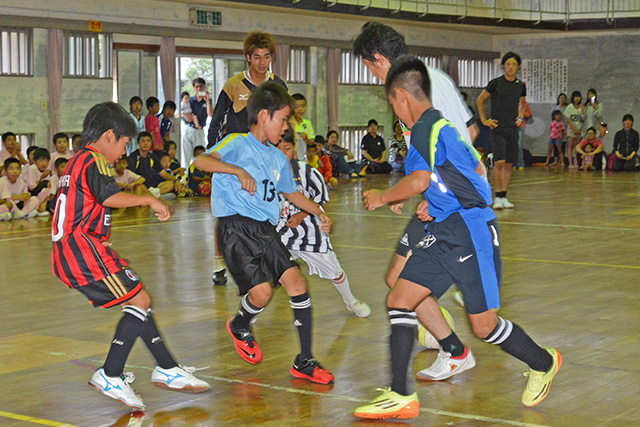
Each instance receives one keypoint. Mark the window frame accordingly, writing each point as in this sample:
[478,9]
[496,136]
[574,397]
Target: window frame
[480,69]
[28,51]
[82,51]
[355,72]
[298,64]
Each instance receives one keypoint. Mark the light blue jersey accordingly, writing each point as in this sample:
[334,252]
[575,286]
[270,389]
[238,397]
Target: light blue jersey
[266,164]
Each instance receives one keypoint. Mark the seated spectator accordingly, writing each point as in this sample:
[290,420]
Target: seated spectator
[179,188]
[342,160]
[199,180]
[61,143]
[144,163]
[75,142]
[58,171]
[38,175]
[625,146]
[317,158]
[172,148]
[127,180]
[18,201]
[11,148]
[397,148]
[594,153]
[374,150]
[30,152]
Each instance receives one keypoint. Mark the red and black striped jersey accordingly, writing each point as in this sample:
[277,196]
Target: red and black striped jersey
[81,222]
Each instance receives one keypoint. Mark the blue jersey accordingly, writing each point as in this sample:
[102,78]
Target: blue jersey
[436,146]
[266,164]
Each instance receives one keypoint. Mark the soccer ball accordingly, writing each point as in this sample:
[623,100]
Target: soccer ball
[424,336]
[204,188]
[333,183]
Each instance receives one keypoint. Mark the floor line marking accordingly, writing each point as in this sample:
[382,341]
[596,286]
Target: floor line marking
[350,398]
[34,420]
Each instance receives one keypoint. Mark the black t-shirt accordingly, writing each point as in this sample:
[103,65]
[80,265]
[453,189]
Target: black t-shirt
[373,145]
[505,97]
[199,109]
[146,167]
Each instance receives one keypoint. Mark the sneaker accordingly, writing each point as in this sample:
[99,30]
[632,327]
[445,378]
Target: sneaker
[5,216]
[390,405]
[219,277]
[18,214]
[539,383]
[31,214]
[457,297]
[506,204]
[43,213]
[497,203]
[359,308]
[311,370]
[178,378]
[117,388]
[169,196]
[246,346]
[446,366]
[353,175]
[155,191]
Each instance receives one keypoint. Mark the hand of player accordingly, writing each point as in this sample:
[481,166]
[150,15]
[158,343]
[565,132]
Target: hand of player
[296,219]
[325,223]
[396,208]
[107,244]
[423,212]
[490,123]
[519,121]
[247,181]
[162,211]
[372,199]
[45,174]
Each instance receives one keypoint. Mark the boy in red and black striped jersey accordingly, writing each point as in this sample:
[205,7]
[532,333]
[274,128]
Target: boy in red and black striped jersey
[82,257]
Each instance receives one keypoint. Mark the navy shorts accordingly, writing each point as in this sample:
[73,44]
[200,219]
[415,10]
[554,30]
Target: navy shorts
[114,289]
[504,144]
[413,234]
[463,249]
[253,251]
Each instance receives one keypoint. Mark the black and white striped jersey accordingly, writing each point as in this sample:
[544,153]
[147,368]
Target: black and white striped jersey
[307,236]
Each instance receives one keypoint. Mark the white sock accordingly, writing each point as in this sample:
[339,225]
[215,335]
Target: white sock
[342,285]
[218,263]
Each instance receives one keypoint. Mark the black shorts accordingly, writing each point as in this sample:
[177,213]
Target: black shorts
[413,234]
[504,144]
[114,289]
[465,251]
[253,251]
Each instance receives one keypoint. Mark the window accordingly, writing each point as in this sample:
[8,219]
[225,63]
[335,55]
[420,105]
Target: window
[297,69]
[87,55]
[432,61]
[16,52]
[473,72]
[25,140]
[354,72]
[350,138]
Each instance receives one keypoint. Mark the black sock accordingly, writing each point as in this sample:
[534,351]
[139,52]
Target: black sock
[153,340]
[452,344]
[301,306]
[517,343]
[403,323]
[127,331]
[246,313]
[501,194]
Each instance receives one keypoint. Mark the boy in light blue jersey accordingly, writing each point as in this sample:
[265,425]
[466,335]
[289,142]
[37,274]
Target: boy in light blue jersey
[462,247]
[249,172]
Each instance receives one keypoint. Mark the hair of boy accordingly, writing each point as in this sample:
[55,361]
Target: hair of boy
[198,148]
[331,132]
[60,135]
[105,116]
[289,136]
[135,99]
[379,38]
[76,135]
[410,74]
[258,40]
[168,144]
[319,139]
[185,93]
[592,129]
[169,104]
[144,134]
[372,122]
[122,158]
[627,117]
[60,161]
[299,97]
[574,94]
[30,149]
[162,154]
[9,161]
[510,55]
[198,80]
[268,96]
[312,147]
[41,153]
[555,113]
[7,135]
[151,101]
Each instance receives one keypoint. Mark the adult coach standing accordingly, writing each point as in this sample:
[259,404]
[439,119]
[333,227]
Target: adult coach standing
[508,104]
[193,136]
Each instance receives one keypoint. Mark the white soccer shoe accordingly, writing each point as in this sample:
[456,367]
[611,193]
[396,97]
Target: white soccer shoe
[445,366]
[117,388]
[497,203]
[506,204]
[359,308]
[178,378]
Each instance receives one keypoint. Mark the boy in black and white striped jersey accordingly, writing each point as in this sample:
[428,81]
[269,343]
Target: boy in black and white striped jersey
[301,233]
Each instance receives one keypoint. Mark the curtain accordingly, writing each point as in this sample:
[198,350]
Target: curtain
[55,46]
[281,62]
[168,67]
[334,67]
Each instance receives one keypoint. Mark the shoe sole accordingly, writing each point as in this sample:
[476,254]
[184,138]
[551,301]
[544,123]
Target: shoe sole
[99,390]
[188,389]
[403,413]
[241,352]
[302,376]
[548,388]
[464,367]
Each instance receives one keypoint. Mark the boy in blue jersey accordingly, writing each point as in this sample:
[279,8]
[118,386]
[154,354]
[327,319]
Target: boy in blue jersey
[463,245]
[249,172]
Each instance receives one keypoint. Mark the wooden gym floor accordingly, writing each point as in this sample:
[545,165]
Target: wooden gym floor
[571,280]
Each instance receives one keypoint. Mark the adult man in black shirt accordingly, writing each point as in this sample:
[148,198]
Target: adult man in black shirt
[508,97]
[374,150]
[625,146]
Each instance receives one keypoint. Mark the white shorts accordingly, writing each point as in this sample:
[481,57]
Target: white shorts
[325,265]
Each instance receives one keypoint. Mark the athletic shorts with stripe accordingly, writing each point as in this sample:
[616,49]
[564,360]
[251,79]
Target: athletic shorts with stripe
[113,289]
[253,251]
[465,250]
[325,265]
[413,234]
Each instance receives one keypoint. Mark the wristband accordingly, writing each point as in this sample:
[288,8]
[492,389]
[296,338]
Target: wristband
[521,119]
